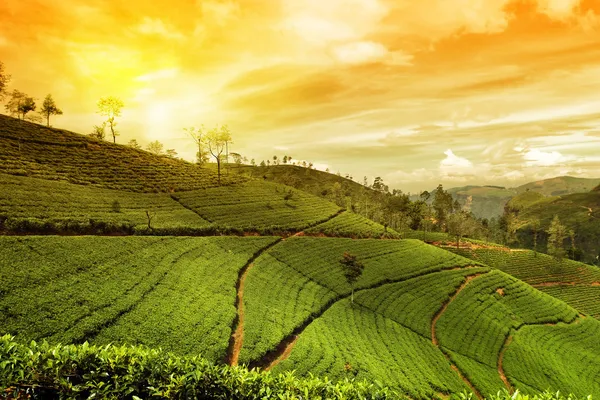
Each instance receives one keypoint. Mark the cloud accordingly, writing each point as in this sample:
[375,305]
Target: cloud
[367,51]
[455,168]
[219,12]
[514,175]
[156,27]
[535,157]
[558,9]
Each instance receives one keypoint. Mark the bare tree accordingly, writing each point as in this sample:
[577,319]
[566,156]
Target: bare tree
[110,107]
[217,139]
[198,135]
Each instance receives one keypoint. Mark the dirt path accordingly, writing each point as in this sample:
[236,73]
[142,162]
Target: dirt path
[236,340]
[508,341]
[285,353]
[434,338]
[272,355]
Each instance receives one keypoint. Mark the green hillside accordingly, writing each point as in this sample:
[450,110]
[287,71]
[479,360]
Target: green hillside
[33,150]
[573,282]
[424,322]
[561,185]
[579,212]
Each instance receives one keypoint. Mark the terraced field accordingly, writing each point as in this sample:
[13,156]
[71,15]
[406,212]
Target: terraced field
[29,149]
[258,205]
[27,203]
[174,293]
[424,321]
[573,282]
[349,224]
[30,205]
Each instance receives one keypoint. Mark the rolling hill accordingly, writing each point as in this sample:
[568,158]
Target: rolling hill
[248,273]
[489,201]
[579,212]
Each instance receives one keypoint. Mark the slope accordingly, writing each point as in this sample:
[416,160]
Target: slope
[29,149]
[573,282]
[579,212]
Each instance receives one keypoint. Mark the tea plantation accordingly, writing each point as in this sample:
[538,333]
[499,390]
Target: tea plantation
[130,275]
[575,283]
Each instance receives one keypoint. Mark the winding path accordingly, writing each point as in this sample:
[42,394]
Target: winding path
[435,340]
[237,336]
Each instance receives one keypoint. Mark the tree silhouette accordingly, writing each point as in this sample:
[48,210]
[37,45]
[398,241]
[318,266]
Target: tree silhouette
[49,108]
[4,80]
[19,104]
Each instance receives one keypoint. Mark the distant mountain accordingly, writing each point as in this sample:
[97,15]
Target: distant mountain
[489,201]
[560,185]
[486,201]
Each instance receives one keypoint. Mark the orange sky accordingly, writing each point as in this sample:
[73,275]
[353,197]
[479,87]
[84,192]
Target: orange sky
[418,92]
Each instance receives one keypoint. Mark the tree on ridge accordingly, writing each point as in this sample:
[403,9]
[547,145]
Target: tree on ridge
[49,108]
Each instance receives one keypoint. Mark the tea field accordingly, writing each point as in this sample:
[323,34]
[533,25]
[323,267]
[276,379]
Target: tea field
[29,149]
[425,322]
[575,283]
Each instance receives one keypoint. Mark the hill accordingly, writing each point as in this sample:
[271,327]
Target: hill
[424,321]
[489,201]
[573,282]
[486,201]
[55,181]
[561,185]
[29,149]
[579,212]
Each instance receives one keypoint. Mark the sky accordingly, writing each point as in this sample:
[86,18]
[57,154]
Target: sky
[458,92]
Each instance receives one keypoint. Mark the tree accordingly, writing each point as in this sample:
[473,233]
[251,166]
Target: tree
[197,135]
[285,159]
[253,162]
[98,132]
[237,158]
[49,108]
[352,269]
[459,225]
[442,205]
[19,104]
[155,147]
[110,107]
[217,139]
[4,80]
[171,153]
[556,237]
[134,143]
[275,160]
